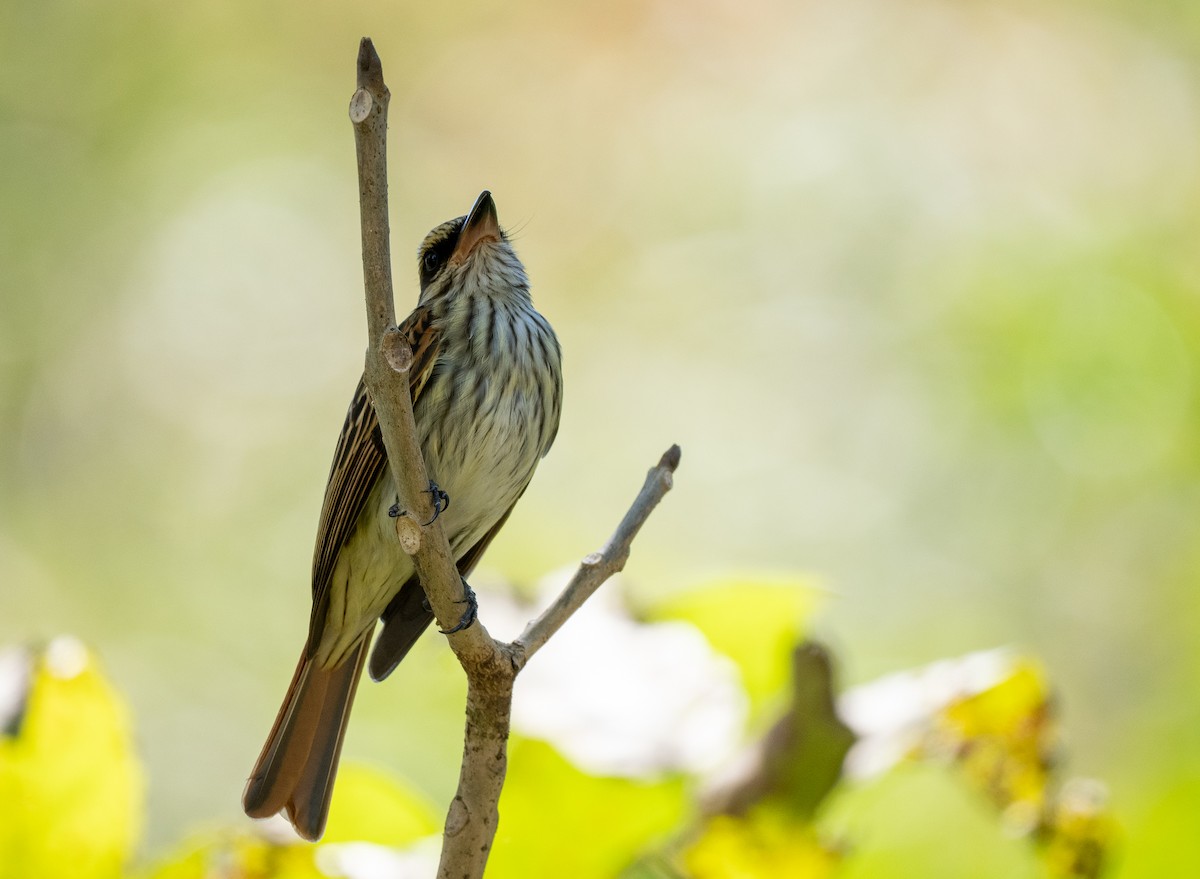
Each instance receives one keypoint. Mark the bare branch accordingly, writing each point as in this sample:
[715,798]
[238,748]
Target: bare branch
[474,811]
[471,823]
[388,361]
[599,566]
[490,667]
[368,112]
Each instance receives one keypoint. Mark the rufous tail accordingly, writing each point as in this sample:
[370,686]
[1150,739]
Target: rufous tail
[295,771]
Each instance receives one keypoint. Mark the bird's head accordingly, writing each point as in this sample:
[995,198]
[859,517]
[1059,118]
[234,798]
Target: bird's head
[471,252]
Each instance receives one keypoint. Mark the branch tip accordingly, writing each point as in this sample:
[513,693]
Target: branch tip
[670,458]
[370,68]
[596,567]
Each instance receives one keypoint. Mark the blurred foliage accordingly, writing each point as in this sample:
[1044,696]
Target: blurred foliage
[240,856]
[765,843]
[806,748]
[71,803]
[373,811]
[1004,740]
[71,789]
[556,820]
[725,610]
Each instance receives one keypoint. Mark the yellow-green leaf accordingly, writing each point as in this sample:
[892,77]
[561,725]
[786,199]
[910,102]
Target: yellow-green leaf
[557,821]
[1003,738]
[71,789]
[764,844]
[239,855]
[369,806]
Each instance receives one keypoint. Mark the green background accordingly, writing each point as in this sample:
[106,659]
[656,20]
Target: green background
[915,285]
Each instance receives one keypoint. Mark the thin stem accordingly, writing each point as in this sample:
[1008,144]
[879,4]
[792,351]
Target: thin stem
[599,566]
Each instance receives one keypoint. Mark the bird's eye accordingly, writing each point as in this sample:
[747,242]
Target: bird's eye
[432,261]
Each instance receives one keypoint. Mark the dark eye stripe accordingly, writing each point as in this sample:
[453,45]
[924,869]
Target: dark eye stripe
[436,249]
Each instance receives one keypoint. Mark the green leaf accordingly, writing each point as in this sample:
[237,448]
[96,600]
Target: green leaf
[557,821]
[71,789]
[755,621]
[369,806]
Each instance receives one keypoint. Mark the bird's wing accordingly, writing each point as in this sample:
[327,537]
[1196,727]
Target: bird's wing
[358,462]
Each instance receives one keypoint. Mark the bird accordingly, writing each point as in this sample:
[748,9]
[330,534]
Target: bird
[486,384]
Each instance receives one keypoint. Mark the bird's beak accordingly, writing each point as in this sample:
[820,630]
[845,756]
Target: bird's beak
[481,225]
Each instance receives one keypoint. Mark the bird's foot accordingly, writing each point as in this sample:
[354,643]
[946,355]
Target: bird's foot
[470,614]
[441,501]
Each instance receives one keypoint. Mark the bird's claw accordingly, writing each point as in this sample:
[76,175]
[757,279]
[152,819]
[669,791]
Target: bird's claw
[470,614]
[441,501]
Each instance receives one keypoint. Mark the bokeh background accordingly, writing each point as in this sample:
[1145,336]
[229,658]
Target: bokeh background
[915,285]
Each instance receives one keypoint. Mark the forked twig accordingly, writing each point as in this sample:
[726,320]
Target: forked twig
[490,666]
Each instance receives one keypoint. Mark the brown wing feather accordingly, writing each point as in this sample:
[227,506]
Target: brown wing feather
[358,463]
